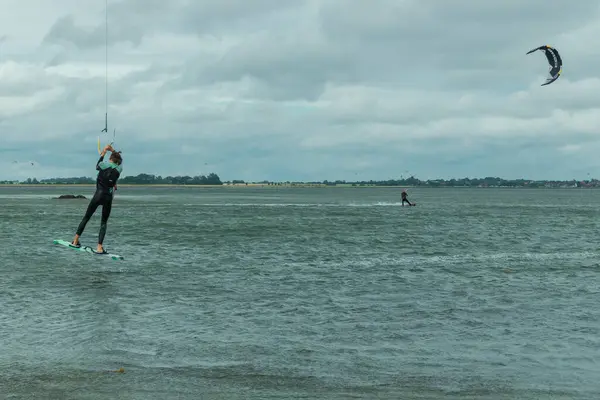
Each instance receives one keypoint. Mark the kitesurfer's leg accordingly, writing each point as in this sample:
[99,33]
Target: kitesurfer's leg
[106,208]
[94,203]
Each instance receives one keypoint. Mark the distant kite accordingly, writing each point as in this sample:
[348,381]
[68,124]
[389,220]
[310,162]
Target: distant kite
[554,60]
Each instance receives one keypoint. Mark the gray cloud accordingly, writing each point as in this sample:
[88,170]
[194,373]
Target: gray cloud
[131,20]
[67,33]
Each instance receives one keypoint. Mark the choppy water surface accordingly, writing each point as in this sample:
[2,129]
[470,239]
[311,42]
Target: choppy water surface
[334,293]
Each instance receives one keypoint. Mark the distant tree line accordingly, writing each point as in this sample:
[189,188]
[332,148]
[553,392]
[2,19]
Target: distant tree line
[147,179]
[464,182]
[141,179]
[213,179]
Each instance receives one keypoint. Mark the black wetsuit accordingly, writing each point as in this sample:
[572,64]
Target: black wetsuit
[404,199]
[108,174]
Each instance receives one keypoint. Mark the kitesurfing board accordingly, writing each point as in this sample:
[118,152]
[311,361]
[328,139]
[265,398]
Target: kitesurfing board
[87,249]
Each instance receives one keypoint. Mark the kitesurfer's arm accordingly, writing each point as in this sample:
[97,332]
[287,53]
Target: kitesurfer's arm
[101,159]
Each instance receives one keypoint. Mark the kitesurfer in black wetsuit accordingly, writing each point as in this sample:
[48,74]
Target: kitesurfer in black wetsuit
[404,199]
[106,184]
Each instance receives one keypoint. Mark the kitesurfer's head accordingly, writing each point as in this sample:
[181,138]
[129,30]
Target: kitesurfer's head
[116,157]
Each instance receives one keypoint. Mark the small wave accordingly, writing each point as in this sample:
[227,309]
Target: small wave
[27,196]
[454,259]
[513,256]
[377,204]
[258,205]
[565,205]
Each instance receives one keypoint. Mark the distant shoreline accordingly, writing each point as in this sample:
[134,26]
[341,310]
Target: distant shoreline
[275,186]
[236,185]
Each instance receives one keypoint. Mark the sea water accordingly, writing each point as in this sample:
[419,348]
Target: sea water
[323,293]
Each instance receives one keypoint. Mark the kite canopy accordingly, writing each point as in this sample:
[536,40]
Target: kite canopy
[554,60]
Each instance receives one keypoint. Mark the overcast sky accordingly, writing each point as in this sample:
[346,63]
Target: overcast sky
[301,89]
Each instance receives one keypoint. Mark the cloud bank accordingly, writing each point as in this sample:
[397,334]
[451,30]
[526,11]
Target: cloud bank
[302,89]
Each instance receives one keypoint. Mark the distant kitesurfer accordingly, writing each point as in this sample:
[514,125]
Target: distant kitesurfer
[404,199]
[106,182]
